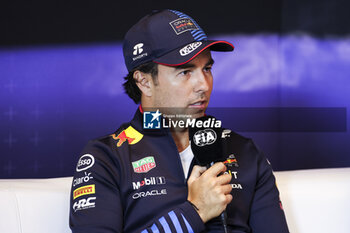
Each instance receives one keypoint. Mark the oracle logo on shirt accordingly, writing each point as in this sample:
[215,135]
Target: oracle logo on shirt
[150,193]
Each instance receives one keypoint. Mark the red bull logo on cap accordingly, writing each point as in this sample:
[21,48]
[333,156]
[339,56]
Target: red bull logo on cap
[131,135]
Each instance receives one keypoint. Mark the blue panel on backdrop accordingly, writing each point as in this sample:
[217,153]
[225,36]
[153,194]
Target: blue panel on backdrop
[54,99]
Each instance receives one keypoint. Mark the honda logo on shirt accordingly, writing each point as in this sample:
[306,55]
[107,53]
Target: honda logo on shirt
[84,204]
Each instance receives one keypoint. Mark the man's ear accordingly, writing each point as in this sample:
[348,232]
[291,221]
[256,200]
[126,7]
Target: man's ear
[143,81]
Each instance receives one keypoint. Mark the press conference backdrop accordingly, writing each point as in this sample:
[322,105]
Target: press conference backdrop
[286,85]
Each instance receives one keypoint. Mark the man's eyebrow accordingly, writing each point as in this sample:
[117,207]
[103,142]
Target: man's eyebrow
[210,62]
[189,65]
[184,66]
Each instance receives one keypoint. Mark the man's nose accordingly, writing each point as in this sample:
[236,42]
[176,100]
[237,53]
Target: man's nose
[202,82]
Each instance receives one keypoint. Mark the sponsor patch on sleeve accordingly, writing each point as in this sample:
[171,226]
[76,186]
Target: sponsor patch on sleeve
[85,162]
[85,190]
[83,204]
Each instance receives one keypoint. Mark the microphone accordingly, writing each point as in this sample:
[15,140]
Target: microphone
[206,141]
[206,145]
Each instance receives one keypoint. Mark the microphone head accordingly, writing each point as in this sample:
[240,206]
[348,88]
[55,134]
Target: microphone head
[206,141]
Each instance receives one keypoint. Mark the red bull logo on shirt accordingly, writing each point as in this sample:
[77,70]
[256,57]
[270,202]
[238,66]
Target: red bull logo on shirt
[144,165]
[231,161]
[131,135]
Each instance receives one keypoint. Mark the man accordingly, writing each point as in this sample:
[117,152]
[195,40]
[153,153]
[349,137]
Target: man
[135,180]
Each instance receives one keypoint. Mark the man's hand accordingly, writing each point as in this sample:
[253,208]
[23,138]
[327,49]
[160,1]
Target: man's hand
[209,191]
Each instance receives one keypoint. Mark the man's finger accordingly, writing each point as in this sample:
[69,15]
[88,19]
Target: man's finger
[224,179]
[197,171]
[226,189]
[216,169]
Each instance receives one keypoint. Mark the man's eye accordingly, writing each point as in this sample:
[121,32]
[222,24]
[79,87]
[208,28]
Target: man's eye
[185,72]
[207,69]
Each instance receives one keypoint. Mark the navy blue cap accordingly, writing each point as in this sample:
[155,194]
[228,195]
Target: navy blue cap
[167,37]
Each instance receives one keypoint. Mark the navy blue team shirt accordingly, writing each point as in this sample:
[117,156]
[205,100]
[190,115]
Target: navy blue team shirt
[133,181]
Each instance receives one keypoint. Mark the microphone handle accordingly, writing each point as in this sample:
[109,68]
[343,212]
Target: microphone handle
[223,214]
[223,220]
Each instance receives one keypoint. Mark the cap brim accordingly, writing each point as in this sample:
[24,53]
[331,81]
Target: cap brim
[174,58]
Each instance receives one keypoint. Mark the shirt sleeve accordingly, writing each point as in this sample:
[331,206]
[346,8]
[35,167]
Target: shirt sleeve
[267,215]
[96,206]
[183,218]
[95,196]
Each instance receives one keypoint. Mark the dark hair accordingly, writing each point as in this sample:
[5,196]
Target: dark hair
[130,86]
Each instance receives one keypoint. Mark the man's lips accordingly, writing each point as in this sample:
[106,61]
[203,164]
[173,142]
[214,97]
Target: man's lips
[199,104]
